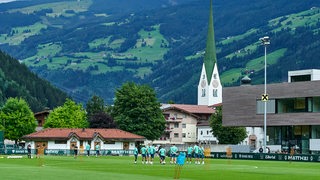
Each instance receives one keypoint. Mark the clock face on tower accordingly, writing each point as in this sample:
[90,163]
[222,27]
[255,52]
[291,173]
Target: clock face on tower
[215,83]
[203,83]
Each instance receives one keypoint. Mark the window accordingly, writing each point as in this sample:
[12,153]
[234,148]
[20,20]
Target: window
[315,133]
[214,76]
[301,78]
[109,142]
[183,135]
[291,105]
[215,93]
[271,106]
[316,104]
[176,135]
[203,93]
[203,76]
[176,125]
[184,125]
[207,132]
[60,142]
[201,132]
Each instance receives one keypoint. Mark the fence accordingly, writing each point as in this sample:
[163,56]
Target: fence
[270,157]
[214,155]
[61,152]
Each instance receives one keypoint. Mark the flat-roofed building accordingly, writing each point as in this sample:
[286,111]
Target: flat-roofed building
[293,110]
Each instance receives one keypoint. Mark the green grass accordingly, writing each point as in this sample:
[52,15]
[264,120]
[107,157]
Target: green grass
[114,168]
[22,33]
[152,50]
[257,64]
[58,8]
[309,17]
[239,37]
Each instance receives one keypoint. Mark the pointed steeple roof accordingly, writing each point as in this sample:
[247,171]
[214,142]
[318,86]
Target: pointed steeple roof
[210,57]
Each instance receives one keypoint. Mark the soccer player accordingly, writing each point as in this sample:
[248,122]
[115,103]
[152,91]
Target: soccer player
[196,153]
[162,154]
[29,150]
[143,154]
[147,154]
[173,154]
[97,150]
[151,152]
[135,153]
[75,151]
[189,154]
[88,149]
[201,154]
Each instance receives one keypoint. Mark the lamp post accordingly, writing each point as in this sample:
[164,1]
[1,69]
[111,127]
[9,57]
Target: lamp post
[265,41]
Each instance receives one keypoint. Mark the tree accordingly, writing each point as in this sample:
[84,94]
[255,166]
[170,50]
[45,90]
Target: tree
[97,114]
[70,115]
[101,120]
[137,110]
[226,135]
[94,105]
[17,119]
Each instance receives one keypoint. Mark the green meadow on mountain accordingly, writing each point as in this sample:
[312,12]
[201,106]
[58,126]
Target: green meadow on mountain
[87,47]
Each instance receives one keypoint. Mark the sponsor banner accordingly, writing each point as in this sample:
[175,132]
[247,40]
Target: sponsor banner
[263,156]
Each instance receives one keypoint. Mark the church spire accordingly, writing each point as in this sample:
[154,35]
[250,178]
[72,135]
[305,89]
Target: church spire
[210,53]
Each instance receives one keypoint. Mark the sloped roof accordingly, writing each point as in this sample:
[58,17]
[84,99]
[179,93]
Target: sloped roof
[192,109]
[65,133]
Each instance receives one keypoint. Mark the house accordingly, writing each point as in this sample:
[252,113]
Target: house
[293,111]
[41,117]
[182,123]
[65,138]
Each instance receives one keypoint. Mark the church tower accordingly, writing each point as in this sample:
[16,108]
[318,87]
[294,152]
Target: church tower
[209,87]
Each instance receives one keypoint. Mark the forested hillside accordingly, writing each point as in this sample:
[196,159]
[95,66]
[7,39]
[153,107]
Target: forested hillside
[93,46]
[16,80]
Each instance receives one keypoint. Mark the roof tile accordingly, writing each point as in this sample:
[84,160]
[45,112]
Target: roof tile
[82,133]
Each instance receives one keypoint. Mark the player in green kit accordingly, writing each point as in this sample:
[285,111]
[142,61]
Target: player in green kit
[147,154]
[135,153]
[151,151]
[189,154]
[201,154]
[144,154]
[173,154]
[196,153]
[162,154]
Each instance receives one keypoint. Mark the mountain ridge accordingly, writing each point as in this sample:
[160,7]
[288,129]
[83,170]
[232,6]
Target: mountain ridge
[87,53]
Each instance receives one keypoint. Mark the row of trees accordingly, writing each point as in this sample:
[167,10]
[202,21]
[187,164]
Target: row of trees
[135,110]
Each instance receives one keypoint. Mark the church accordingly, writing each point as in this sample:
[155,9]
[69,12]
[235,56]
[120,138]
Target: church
[190,123]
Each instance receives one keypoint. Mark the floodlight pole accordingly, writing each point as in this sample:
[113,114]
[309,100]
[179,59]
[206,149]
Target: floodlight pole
[265,41]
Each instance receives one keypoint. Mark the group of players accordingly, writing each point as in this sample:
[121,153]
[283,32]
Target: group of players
[148,153]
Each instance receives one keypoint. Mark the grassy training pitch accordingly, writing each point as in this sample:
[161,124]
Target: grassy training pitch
[115,168]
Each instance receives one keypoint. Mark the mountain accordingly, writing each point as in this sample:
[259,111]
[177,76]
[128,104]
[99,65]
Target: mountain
[91,47]
[16,80]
